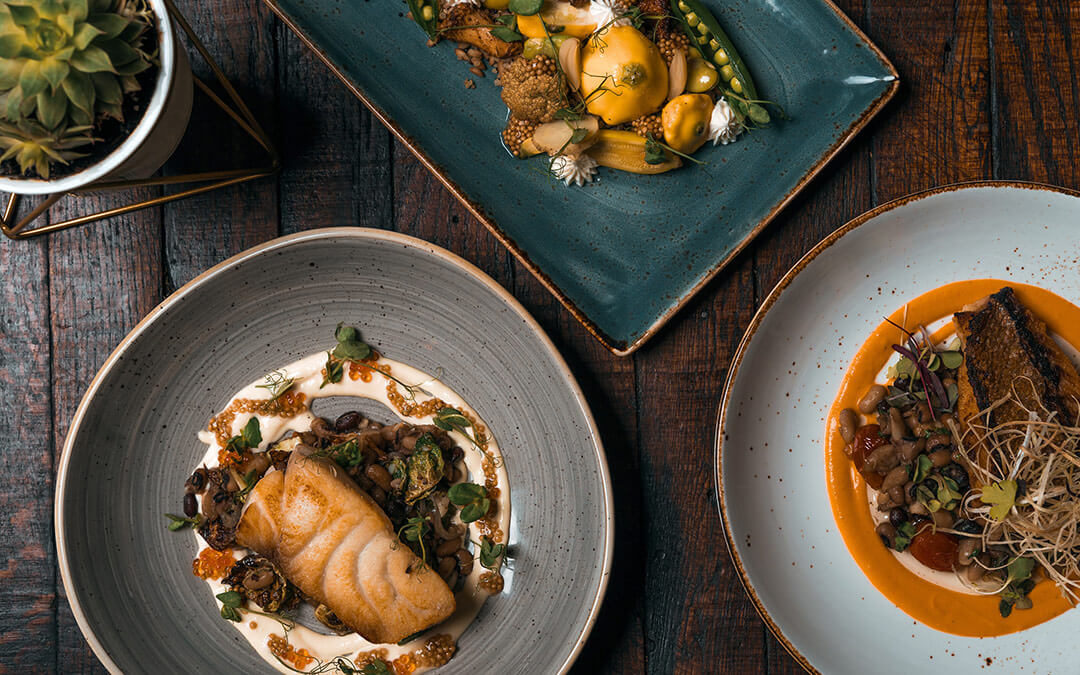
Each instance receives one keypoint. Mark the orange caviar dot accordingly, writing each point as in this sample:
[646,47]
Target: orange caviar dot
[212,564]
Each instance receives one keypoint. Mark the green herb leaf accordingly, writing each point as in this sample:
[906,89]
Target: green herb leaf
[567,114]
[335,370]
[346,454]
[426,15]
[1020,569]
[507,35]
[921,468]
[475,510]
[251,434]
[461,494]
[230,599]
[376,667]
[491,553]
[525,7]
[449,419]
[951,360]
[654,152]
[904,534]
[350,347]
[180,522]
[1001,496]
[578,135]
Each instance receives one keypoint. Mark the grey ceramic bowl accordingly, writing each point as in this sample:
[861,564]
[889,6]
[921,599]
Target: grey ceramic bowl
[132,444]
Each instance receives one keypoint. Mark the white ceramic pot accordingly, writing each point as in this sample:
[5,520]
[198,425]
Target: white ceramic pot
[155,137]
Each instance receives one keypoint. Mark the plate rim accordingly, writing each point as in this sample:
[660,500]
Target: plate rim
[751,330]
[289,240]
[616,346]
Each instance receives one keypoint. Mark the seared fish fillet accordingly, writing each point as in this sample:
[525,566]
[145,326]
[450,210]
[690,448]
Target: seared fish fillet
[334,542]
[1004,341]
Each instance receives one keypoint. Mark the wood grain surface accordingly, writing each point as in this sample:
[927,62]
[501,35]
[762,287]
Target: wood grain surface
[989,91]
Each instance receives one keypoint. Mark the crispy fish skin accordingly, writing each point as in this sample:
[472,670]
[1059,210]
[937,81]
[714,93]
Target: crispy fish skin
[1005,345]
[336,545]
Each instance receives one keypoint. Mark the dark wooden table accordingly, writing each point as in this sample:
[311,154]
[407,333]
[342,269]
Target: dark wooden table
[990,90]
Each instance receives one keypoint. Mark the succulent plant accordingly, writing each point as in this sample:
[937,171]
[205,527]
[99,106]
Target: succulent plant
[68,64]
[35,147]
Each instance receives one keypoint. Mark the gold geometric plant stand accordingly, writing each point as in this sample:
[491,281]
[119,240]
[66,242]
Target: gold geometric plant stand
[210,180]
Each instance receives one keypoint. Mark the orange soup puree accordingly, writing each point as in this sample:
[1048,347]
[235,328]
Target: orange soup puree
[937,607]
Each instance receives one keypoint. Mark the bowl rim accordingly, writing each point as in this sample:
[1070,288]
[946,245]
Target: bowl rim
[155,108]
[751,330]
[360,233]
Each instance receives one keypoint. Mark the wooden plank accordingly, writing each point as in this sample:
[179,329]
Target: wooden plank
[939,131]
[339,156]
[1036,64]
[27,552]
[103,278]
[698,619]
[204,230]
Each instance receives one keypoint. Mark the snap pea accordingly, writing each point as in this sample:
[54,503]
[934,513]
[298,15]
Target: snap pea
[426,15]
[706,34]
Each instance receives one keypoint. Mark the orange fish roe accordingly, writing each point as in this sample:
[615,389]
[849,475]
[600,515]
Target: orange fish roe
[437,651]
[280,647]
[362,369]
[289,404]
[212,564]
[492,582]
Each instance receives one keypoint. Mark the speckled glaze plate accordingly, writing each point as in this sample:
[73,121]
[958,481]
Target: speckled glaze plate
[624,253]
[133,442]
[770,460]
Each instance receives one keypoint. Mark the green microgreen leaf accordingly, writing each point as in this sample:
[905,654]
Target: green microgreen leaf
[376,667]
[525,7]
[346,454]
[414,530]
[654,152]
[251,434]
[452,419]
[904,534]
[180,522]
[506,34]
[350,347]
[335,370]
[951,359]
[921,468]
[578,135]
[462,494]
[491,554]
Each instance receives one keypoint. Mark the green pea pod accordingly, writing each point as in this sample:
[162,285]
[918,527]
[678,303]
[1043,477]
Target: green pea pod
[426,15]
[706,34]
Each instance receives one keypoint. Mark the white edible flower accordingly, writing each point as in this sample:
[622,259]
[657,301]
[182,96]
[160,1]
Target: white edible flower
[723,126]
[607,13]
[579,170]
[454,3]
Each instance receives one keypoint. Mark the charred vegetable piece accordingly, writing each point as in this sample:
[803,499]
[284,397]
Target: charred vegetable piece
[256,579]
[706,34]
[425,469]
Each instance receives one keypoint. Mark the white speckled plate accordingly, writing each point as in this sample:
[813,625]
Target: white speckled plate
[770,462]
[133,442]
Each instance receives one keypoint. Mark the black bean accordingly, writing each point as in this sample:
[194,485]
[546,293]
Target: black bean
[959,475]
[967,526]
[917,520]
[348,421]
[897,516]
[191,507]
[902,383]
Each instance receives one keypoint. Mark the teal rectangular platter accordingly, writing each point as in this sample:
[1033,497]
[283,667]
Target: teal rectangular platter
[625,252]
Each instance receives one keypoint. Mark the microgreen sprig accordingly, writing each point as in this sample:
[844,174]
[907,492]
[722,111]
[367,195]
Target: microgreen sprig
[491,554]
[232,604]
[414,530]
[277,383]
[654,152]
[180,522]
[452,419]
[472,499]
[249,437]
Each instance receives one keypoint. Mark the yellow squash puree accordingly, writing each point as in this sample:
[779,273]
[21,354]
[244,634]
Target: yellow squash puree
[930,604]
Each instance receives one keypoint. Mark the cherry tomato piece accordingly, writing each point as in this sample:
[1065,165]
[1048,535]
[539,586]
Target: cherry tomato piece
[866,441]
[936,550]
